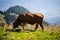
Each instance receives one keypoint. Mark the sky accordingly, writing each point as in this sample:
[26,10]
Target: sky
[49,8]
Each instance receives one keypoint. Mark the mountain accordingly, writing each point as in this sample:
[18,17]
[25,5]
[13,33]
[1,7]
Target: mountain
[13,12]
[45,23]
[16,9]
[1,12]
[54,20]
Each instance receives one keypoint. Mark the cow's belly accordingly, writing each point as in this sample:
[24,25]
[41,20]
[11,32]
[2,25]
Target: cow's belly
[30,20]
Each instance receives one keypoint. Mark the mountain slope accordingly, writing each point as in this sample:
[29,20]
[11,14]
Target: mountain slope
[45,23]
[13,12]
[54,20]
[17,10]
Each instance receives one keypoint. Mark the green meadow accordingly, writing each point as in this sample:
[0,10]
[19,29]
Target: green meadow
[47,34]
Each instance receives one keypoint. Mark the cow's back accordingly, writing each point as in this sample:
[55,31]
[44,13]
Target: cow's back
[29,18]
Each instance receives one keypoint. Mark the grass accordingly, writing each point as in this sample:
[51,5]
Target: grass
[48,34]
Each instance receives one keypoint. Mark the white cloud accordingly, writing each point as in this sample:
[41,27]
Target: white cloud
[50,13]
[43,11]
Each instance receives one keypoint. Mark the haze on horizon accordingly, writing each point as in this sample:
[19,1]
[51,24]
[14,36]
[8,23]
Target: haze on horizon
[49,8]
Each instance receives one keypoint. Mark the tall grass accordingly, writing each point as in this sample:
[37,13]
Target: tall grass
[50,33]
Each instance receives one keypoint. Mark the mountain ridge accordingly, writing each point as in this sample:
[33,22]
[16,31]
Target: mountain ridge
[12,12]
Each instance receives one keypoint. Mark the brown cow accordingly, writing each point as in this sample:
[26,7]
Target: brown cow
[29,18]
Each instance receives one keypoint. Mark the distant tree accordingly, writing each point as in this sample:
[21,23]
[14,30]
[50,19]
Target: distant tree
[1,12]
[2,20]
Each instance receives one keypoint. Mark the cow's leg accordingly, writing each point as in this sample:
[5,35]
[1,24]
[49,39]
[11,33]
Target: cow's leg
[36,27]
[23,26]
[42,27]
[7,25]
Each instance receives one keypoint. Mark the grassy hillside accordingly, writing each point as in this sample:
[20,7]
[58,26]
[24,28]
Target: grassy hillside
[50,33]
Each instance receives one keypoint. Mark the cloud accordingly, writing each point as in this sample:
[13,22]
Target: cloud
[43,10]
[50,13]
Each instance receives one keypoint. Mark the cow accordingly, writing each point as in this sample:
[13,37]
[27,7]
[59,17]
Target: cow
[29,18]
